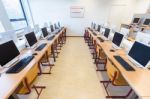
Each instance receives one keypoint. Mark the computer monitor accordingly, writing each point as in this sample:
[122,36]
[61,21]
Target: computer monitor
[117,39]
[55,26]
[31,38]
[106,33]
[45,32]
[146,22]
[139,54]
[94,26]
[52,28]
[58,24]
[136,20]
[8,51]
[125,32]
[98,28]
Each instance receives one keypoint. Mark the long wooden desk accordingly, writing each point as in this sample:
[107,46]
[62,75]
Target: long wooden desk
[9,82]
[138,80]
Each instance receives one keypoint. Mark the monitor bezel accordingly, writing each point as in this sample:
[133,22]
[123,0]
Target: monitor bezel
[43,33]
[116,46]
[144,22]
[135,18]
[135,62]
[34,45]
[108,33]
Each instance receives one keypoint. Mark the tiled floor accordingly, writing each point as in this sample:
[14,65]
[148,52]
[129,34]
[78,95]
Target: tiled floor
[73,76]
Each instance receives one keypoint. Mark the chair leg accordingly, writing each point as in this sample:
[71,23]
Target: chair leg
[38,92]
[106,83]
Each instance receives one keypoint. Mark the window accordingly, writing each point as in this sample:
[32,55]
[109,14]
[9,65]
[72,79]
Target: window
[16,13]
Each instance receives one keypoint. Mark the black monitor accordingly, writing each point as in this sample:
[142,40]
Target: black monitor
[31,38]
[52,28]
[98,28]
[44,31]
[55,26]
[140,53]
[94,26]
[136,20]
[106,33]
[146,22]
[117,39]
[8,51]
[58,24]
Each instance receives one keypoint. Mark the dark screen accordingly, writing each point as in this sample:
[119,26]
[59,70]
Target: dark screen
[99,27]
[136,20]
[147,22]
[117,39]
[140,53]
[31,38]
[106,33]
[55,26]
[44,31]
[58,24]
[8,51]
[94,26]
[52,28]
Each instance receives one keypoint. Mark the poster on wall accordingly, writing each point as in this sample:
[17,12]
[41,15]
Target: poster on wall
[77,12]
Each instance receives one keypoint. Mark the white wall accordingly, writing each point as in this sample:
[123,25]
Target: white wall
[59,10]
[4,18]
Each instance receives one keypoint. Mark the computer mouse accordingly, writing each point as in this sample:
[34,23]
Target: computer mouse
[112,50]
[34,54]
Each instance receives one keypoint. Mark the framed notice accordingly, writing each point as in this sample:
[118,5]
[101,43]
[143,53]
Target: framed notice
[77,11]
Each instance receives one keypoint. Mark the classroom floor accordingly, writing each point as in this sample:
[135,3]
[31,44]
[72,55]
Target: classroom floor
[74,75]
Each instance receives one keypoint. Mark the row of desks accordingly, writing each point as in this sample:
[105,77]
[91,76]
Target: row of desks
[139,80]
[9,82]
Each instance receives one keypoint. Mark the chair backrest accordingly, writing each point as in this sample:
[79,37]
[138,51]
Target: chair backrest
[114,75]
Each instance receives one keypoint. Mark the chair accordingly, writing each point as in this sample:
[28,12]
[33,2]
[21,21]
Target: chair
[45,61]
[101,58]
[116,79]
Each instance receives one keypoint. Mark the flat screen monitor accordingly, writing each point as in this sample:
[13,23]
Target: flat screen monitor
[52,28]
[117,39]
[94,26]
[146,22]
[8,51]
[44,31]
[58,24]
[136,20]
[140,54]
[31,38]
[106,33]
[55,26]
[98,28]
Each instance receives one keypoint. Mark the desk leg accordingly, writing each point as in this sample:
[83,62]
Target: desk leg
[53,52]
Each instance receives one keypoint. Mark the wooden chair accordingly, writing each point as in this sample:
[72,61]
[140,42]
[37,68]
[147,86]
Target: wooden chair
[46,62]
[101,58]
[116,79]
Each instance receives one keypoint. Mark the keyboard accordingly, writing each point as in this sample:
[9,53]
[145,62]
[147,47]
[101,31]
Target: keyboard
[124,63]
[94,33]
[20,65]
[100,39]
[39,48]
[50,38]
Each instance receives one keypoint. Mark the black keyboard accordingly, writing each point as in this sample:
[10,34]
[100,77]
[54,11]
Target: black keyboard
[94,33]
[124,63]
[20,65]
[50,38]
[100,39]
[39,48]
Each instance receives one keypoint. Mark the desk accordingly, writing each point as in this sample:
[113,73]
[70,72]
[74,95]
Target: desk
[138,80]
[9,82]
